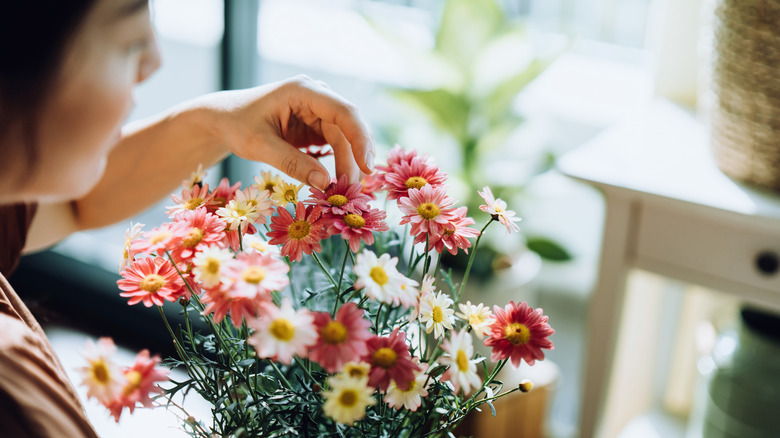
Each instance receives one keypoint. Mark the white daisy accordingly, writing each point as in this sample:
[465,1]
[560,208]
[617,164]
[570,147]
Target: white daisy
[436,313]
[411,397]
[208,265]
[382,281]
[132,233]
[102,377]
[282,332]
[462,371]
[479,317]
[347,399]
[497,208]
[196,177]
[253,242]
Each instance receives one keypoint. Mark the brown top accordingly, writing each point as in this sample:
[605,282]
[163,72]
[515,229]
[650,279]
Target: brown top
[36,397]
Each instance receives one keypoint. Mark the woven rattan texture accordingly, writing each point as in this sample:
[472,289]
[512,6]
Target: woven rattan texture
[745,120]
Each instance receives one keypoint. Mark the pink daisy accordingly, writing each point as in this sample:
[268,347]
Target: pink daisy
[339,198]
[253,274]
[151,281]
[519,332]
[141,382]
[390,360]
[398,155]
[223,194]
[357,227]
[190,199]
[341,340]
[428,209]
[198,229]
[163,238]
[299,234]
[372,184]
[415,174]
[220,301]
[456,234]
[497,208]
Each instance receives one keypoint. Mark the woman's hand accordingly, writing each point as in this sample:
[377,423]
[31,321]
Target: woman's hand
[269,123]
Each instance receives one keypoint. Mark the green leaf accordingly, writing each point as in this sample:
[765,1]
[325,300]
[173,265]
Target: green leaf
[548,249]
[448,110]
[466,26]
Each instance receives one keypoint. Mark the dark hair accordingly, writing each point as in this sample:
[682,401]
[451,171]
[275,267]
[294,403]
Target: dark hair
[33,39]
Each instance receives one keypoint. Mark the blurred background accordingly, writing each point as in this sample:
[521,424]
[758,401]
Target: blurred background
[495,90]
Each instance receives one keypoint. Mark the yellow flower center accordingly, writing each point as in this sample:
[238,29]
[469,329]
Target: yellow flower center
[290,196]
[348,398]
[338,200]
[379,275]
[133,381]
[100,372]
[334,333]
[193,203]
[253,275]
[152,283]
[428,210]
[517,333]
[355,371]
[282,329]
[270,186]
[259,246]
[212,266]
[385,358]
[438,315]
[193,238]
[415,182]
[354,220]
[411,384]
[475,320]
[462,361]
[159,237]
[299,229]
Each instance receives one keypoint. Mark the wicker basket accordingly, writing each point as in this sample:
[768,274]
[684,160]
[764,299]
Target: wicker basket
[745,120]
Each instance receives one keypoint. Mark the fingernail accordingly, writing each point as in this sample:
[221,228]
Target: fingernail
[318,179]
[370,160]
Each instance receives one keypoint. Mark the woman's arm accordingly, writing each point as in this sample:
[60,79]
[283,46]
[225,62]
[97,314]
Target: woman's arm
[265,124]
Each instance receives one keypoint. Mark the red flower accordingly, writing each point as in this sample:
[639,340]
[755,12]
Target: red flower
[299,234]
[198,229]
[390,360]
[141,379]
[340,340]
[355,227]
[151,280]
[340,198]
[412,175]
[520,332]
[455,235]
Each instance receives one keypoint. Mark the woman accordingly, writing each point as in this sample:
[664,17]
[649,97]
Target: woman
[67,75]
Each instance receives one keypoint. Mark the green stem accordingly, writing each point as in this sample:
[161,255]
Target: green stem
[471,260]
[427,254]
[376,323]
[281,376]
[341,277]
[324,269]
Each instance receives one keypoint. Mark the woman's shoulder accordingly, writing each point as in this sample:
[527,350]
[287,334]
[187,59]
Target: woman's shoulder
[15,220]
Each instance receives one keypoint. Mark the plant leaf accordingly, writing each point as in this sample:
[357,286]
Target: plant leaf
[548,249]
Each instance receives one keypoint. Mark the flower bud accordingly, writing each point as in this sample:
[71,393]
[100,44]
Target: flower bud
[525,385]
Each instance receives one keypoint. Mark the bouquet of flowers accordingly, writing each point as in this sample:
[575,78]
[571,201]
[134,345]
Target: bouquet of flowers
[315,317]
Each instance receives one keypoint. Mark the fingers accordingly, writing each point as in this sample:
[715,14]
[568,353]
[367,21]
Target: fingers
[295,163]
[342,152]
[333,109]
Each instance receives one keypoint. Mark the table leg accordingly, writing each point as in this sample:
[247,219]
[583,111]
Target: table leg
[604,311]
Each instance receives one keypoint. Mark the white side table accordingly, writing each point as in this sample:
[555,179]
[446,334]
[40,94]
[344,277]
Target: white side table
[672,212]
